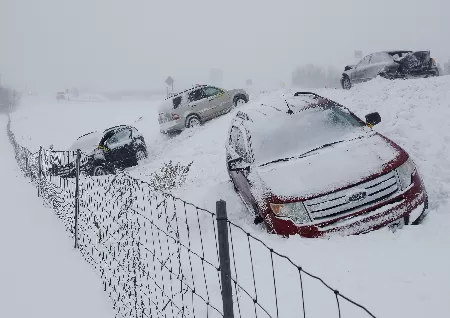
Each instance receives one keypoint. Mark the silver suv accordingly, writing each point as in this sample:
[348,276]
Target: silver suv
[197,105]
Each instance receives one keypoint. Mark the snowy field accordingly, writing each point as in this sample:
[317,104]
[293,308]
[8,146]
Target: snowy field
[41,274]
[401,274]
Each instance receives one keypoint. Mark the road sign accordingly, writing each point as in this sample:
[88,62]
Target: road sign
[358,54]
[169,81]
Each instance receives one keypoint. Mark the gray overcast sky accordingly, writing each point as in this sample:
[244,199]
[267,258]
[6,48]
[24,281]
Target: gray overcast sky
[109,44]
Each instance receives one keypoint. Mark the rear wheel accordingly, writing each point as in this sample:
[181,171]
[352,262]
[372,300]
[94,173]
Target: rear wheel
[346,84]
[193,121]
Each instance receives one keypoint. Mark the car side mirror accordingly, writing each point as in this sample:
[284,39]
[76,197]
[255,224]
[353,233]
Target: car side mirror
[349,67]
[237,164]
[372,119]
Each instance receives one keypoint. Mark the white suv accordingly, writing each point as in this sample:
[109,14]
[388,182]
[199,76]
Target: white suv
[197,105]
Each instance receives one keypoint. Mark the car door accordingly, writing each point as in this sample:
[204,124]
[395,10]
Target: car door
[360,71]
[120,148]
[197,103]
[238,146]
[219,100]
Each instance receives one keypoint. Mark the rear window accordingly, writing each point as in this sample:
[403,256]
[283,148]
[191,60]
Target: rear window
[176,102]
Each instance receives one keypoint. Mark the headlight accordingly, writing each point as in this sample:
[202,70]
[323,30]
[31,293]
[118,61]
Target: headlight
[405,172]
[295,211]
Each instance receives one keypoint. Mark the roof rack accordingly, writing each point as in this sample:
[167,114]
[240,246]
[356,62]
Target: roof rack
[307,93]
[318,96]
[92,132]
[113,127]
[185,91]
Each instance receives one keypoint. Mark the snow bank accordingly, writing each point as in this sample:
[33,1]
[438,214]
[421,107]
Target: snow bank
[41,274]
[401,274]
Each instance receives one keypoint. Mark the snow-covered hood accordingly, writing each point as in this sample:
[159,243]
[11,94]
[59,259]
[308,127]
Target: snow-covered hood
[327,169]
[87,143]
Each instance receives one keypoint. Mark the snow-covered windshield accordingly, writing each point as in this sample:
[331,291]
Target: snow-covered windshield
[293,135]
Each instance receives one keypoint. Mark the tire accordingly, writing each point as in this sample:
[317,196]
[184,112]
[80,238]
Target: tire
[346,83]
[99,170]
[386,76]
[422,215]
[141,154]
[193,121]
[239,100]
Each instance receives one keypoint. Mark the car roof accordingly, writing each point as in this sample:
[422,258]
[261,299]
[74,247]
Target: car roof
[279,107]
[185,91]
[395,52]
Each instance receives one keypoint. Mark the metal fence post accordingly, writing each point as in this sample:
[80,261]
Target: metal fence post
[40,171]
[77,196]
[224,258]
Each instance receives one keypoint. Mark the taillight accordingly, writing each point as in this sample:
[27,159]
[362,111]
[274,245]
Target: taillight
[175,117]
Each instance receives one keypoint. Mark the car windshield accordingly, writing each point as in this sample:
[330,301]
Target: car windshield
[291,136]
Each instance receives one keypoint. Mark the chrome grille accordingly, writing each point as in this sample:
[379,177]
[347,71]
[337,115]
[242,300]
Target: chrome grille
[353,199]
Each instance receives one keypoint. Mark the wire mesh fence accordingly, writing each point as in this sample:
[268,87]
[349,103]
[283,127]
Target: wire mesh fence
[160,256]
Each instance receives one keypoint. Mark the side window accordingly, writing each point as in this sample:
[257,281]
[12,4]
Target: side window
[212,91]
[380,58]
[238,142]
[176,102]
[196,95]
[365,60]
[135,132]
[119,138]
[375,59]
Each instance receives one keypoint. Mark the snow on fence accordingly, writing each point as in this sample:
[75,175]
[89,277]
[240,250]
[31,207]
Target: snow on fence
[160,256]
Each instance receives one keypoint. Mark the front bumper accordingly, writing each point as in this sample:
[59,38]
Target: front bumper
[408,205]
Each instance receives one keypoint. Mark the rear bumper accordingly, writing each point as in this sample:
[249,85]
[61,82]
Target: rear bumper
[171,126]
[408,205]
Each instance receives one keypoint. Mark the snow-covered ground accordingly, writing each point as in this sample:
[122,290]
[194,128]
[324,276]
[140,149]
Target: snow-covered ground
[41,274]
[401,274]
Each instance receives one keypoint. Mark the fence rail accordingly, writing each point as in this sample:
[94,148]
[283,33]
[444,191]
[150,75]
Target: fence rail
[161,256]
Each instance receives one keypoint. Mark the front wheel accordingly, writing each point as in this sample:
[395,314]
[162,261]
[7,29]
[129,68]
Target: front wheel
[99,170]
[346,83]
[239,101]
[141,154]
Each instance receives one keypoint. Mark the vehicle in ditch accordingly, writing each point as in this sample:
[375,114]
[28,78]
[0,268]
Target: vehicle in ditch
[309,166]
[197,105]
[118,147]
[391,65]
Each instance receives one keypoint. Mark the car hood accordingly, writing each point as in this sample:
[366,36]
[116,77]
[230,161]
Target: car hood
[328,169]
[87,143]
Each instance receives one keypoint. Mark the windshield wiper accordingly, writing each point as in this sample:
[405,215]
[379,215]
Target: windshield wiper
[308,152]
